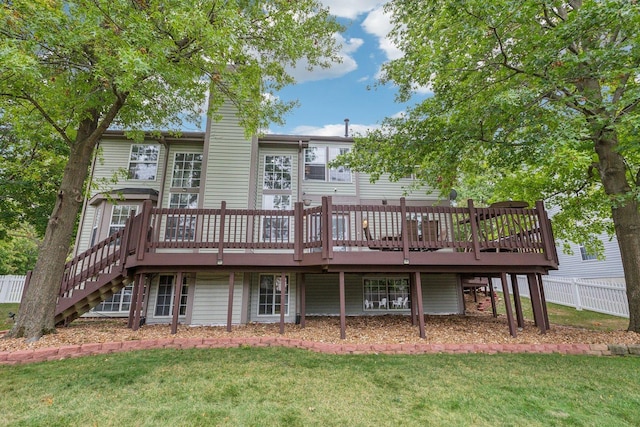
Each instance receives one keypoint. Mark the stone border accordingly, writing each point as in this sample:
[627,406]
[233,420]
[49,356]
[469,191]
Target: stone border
[69,351]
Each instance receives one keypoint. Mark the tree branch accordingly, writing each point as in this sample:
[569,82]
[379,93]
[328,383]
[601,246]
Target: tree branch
[47,117]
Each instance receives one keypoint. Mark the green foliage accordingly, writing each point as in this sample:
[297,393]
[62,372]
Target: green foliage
[524,93]
[18,250]
[285,387]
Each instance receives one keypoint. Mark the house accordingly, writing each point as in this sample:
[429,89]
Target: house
[583,264]
[230,219]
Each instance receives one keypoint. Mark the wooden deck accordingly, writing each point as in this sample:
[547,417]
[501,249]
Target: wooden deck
[488,242]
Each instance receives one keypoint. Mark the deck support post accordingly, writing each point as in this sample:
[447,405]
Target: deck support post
[138,306]
[492,297]
[177,292]
[302,286]
[134,300]
[543,299]
[232,279]
[420,305]
[516,300]
[343,319]
[283,294]
[412,297]
[536,303]
[507,305]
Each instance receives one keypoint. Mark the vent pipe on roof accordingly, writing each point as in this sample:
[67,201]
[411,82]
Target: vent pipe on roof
[346,128]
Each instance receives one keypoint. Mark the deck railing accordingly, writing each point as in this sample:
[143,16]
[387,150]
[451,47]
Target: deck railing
[328,228]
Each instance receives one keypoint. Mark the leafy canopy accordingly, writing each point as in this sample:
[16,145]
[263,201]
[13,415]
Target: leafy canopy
[523,90]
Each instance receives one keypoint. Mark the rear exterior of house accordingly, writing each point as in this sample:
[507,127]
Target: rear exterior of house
[230,219]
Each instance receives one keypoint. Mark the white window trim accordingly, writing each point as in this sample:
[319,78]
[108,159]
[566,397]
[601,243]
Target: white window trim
[185,280]
[389,307]
[129,161]
[276,276]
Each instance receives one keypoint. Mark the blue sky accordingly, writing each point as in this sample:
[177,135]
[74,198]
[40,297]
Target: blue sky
[328,96]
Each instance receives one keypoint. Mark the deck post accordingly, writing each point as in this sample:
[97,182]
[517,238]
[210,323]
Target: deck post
[298,239]
[325,223]
[138,310]
[404,233]
[412,297]
[516,300]
[343,319]
[507,304]
[492,297]
[473,222]
[536,302]
[543,300]
[545,230]
[134,300]
[232,279]
[176,303]
[420,304]
[283,288]
[302,286]
[223,208]
[144,229]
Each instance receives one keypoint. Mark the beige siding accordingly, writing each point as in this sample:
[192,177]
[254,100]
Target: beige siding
[211,299]
[441,295]
[228,163]
[383,189]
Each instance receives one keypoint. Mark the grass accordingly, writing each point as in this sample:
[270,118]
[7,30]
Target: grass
[290,387]
[5,321]
[569,316]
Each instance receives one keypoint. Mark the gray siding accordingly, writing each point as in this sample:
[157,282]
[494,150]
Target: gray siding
[211,299]
[575,266]
[441,295]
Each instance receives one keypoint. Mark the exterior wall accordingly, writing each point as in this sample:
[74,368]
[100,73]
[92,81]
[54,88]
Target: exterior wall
[384,189]
[574,266]
[228,163]
[441,294]
[210,299]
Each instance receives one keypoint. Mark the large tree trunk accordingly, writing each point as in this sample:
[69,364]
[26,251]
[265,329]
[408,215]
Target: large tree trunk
[37,310]
[626,218]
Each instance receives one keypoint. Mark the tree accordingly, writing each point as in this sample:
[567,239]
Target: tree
[75,68]
[18,250]
[532,99]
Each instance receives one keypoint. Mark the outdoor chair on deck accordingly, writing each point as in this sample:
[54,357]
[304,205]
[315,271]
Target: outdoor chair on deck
[385,244]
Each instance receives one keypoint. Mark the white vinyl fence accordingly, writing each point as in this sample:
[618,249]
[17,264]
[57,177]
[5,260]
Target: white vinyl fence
[595,295]
[11,288]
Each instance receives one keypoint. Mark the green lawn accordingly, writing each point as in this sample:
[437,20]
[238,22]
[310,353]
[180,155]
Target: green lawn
[5,321]
[290,387]
[569,316]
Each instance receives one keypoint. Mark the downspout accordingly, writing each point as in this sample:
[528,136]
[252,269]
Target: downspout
[163,141]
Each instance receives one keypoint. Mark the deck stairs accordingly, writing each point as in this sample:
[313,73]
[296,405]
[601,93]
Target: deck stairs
[93,276]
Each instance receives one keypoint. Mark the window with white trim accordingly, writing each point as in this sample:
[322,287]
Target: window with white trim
[119,302]
[275,228]
[187,170]
[587,255]
[182,226]
[119,216]
[143,162]
[316,165]
[277,172]
[166,292]
[386,293]
[270,295]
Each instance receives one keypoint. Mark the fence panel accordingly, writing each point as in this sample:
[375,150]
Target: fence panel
[11,288]
[594,295]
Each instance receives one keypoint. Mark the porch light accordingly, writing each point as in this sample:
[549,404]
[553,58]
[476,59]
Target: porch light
[307,202]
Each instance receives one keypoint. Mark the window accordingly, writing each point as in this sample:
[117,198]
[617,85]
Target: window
[586,255]
[143,162]
[277,173]
[276,228]
[166,292]
[187,168]
[269,298]
[120,301]
[338,227]
[182,226]
[386,293]
[119,216]
[315,165]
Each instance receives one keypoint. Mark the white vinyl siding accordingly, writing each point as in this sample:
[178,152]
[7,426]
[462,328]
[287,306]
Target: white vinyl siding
[574,266]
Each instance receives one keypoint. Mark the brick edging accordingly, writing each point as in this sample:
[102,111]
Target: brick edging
[68,351]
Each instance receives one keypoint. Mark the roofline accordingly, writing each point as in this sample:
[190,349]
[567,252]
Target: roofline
[183,136]
[303,138]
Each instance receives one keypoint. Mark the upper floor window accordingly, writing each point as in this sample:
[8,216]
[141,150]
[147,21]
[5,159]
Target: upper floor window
[277,173]
[316,165]
[587,255]
[187,169]
[143,162]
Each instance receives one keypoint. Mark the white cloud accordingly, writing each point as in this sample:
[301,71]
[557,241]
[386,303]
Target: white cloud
[350,9]
[333,129]
[378,23]
[348,64]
